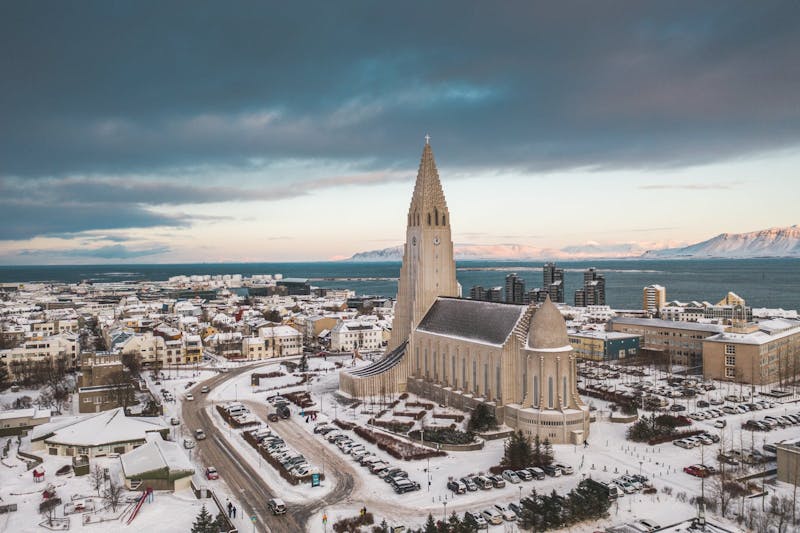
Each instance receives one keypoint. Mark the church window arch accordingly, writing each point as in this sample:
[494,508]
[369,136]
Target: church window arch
[436,215]
[429,219]
[550,392]
[444,220]
[564,396]
[535,391]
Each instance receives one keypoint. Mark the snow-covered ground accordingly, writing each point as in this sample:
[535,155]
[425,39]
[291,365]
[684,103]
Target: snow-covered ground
[168,511]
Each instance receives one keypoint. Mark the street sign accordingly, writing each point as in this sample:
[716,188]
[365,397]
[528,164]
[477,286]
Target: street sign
[253,519]
[315,478]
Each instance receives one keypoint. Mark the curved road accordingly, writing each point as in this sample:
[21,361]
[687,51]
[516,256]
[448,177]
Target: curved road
[245,483]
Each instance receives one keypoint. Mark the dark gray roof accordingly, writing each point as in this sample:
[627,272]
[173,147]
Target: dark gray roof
[487,322]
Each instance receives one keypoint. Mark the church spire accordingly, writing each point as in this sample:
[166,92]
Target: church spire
[428,205]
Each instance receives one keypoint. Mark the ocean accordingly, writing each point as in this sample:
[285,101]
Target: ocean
[762,282]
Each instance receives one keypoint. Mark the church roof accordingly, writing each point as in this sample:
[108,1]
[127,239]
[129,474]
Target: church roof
[479,321]
[548,328]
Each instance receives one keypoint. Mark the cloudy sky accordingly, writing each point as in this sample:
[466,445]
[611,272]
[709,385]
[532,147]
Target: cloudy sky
[258,131]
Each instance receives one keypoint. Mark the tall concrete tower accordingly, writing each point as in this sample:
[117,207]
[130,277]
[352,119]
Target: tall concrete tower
[428,267]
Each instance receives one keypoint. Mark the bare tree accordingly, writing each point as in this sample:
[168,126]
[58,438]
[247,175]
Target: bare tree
[48,509]
[113,495]
[781,509]
[97,478]
[121,388]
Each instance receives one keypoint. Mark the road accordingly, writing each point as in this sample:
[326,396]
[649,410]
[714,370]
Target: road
[242,479]
[248,486]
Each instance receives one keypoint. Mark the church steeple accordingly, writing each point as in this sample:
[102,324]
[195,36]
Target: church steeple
[428,205]
[428,269]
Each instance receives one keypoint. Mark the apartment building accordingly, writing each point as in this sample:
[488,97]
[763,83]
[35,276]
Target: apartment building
[653,298]
[349,335]
[53,349]
[760,354]
[281,341]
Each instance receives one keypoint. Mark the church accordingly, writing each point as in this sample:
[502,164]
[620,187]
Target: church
[516,359]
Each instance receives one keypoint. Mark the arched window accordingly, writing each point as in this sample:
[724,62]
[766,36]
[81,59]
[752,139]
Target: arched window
[444,220]
[429,219]
[550,392]
[436,215]
[564,397]
[536,391]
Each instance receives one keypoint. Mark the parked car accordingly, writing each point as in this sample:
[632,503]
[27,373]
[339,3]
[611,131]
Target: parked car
[475,520]
[551,470]
[189,397]
[211,473]
[524,475]
[565,469]
[507,514]
[511,476]
[277,506]
[199,434]
[188,444]
[536,472]
[498,482]
[492,516]
[204,389]
[720,424]
[483,482]
[174,421]
[471,486]
[696,471]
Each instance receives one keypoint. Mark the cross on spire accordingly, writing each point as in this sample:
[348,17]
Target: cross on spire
[427,139]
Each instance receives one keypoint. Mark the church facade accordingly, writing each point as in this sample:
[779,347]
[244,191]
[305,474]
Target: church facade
[516,359]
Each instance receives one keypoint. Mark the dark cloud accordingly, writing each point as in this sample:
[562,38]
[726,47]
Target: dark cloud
[114,251]
[23,220]
[123,86]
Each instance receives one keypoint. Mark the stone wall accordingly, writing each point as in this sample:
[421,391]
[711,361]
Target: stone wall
[449,397]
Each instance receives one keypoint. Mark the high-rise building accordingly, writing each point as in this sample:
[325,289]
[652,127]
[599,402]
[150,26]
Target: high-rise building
[593,291]
[654,297]
[495,294]
[536,295]
[515,289]
[553,282]
[477,293]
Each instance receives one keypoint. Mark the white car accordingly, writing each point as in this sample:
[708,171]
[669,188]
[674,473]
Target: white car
[492,516]
[511,476]
[507,514]
[189,396]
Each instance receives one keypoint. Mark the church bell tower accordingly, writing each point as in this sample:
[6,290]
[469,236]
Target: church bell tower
[428,269]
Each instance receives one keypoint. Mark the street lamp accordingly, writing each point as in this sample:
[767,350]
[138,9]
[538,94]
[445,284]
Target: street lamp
[444,517]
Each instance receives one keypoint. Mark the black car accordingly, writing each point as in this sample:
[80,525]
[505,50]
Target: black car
[677,407]
[456,486]
[703,403]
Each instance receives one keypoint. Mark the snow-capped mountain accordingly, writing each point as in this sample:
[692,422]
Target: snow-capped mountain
[506,252]
[773,242]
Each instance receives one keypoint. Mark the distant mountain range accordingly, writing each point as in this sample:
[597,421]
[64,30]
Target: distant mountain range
[774,242]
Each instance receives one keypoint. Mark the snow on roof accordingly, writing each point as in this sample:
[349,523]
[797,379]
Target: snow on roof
[278,331]
[658,323]
[33,412]
[96,430]
[155,455]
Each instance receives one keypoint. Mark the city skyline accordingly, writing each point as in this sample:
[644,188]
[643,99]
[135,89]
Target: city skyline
[152,135]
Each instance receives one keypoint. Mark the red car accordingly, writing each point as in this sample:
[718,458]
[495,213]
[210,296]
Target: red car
[211,473]
[696,470]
